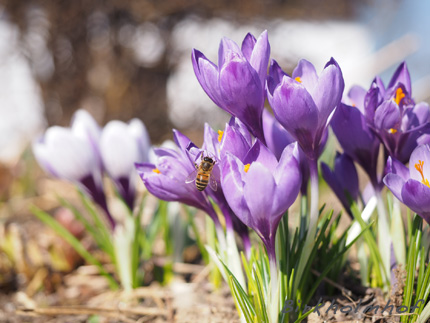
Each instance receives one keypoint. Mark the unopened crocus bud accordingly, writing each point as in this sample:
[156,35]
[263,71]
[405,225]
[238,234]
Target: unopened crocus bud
[72,154]
[343,180]
[121,146]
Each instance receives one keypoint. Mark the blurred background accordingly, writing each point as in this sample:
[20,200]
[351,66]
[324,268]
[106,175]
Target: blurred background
[124,59]
[132,58]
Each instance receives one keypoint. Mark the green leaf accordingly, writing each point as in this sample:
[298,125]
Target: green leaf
[75,243]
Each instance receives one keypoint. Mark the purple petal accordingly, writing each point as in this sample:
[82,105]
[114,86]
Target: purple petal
[387,115]
[243,93]
[328,91]
[260,57]
[277,138]
[395,183]
[234,142]
[420,155]
[307,73]
[226,48]
[248,45]
[259,190]
[288,180]
[295,109]
[276,74]
[401,75]
[396,167]
[346,174]
[181,140]
[356,96]
[207,74]
[210,141]
[232,174]
[417,197]
[260,153]
[371,101]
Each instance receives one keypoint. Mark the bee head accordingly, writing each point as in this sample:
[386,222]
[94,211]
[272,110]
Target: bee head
[208,159]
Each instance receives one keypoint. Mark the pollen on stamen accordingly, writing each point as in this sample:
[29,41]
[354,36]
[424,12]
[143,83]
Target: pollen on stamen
[392,130]
[399,95]
[419,167]
[298,79]
[246,168]
[156,170]
[220,134]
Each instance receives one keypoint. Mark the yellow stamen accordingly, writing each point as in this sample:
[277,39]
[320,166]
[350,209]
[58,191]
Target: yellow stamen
[220,134]
[298,79]
[156,170]
[246,168]
[419,168]
[399,95]
[392,130]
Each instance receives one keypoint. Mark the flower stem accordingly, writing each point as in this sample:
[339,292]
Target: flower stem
[384,238]
[312,228]
[273,295]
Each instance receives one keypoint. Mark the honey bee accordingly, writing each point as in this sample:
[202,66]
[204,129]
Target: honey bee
[203,174]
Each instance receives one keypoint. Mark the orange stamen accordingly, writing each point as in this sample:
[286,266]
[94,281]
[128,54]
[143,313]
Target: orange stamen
[419,168]
[392,130]
[156,170]
[298,79]
[399,95]
[246,168]
[220,134]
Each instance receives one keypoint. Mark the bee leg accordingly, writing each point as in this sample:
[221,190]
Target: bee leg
[196,166]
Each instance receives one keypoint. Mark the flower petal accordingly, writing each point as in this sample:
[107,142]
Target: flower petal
[295,109]
[417,197]
[328,91]
[259,190]
[307,73]
[207,74]
[395,183]
[387,115]
[232,174]
[260,153]
[421,153]
[248,45]
[401,75]
[260,57]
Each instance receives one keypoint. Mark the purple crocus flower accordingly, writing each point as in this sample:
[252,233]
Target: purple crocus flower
[122,145]
[237,84]
[277,138]
[394,116]
[343,180]
[411,186]
[166,179]
[304,102]
[260,189]
[235,139]
[355,136]
[72,154]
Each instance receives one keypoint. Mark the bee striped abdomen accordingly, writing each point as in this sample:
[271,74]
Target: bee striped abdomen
[202,181]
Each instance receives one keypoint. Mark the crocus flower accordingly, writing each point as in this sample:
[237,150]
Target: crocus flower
[304,102]
[236,140]
[166,179]
[411,186]
[72,154]
[122,145]
[394,116]
[343,180]
[237,84]
[261,189]
[356,138]
[277,138]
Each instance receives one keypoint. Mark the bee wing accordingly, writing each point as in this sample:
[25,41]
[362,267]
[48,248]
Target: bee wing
[214,178]
[212,183]
[191,177]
